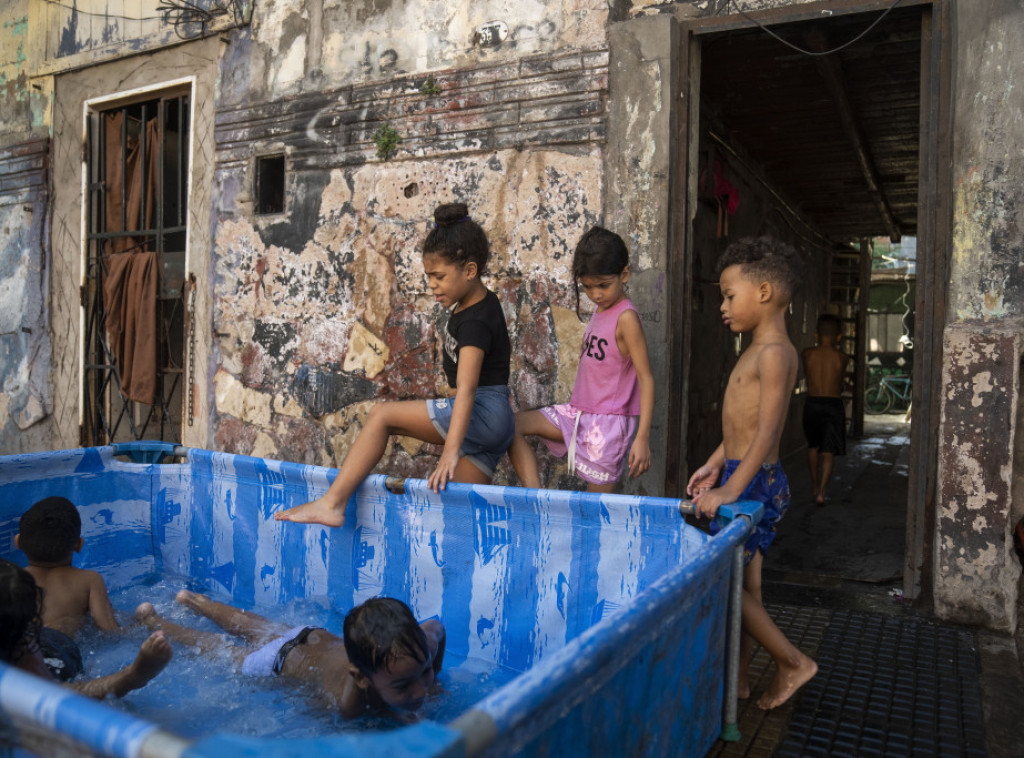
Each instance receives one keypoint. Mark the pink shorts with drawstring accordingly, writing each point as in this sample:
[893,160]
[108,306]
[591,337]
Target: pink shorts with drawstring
[597,444]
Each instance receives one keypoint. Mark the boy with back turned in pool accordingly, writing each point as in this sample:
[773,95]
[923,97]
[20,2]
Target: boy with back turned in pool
[386,659]
[757,279]
[50,533]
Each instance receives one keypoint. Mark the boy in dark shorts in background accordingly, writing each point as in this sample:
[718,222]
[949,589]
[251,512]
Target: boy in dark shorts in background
[824,415]
[50,533]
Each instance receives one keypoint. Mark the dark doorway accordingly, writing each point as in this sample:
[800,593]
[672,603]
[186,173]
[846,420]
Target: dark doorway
[820,128]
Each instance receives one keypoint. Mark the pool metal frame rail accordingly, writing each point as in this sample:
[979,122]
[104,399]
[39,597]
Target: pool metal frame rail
[108,732]
[481,725]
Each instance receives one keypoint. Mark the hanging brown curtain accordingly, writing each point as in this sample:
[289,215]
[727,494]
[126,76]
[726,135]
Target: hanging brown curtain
[132,279]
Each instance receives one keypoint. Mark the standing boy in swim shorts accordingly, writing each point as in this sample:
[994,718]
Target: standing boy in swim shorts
[824,414]
[386,659]
[757,279]
[50,533]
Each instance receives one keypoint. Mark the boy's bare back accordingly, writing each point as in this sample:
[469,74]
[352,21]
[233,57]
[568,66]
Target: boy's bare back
[70,593]
[824,369]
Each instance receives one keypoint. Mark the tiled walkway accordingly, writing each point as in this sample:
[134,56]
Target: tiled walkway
[886,686]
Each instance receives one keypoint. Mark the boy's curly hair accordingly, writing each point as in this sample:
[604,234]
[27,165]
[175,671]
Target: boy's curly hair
[21,602]
[765,259]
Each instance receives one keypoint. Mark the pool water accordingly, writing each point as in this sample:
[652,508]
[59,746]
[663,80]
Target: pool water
[199,695]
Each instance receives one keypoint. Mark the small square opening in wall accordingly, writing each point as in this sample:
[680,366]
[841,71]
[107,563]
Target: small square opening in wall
[269,191]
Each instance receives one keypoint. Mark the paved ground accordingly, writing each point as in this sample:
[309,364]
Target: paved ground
[891,681]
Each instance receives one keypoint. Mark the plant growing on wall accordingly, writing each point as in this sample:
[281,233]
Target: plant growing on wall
[386,138]
[430,88]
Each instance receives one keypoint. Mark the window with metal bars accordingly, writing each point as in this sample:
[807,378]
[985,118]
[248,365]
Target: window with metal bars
[133,296]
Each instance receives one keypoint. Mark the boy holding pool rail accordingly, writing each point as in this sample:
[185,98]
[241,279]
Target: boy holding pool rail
[757,279]
[385,660]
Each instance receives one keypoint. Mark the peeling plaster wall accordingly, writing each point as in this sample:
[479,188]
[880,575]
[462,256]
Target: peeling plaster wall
[322,310]
[314,45]
[25,397]
[313,327]
[981,447]
[988,243]
[977,573]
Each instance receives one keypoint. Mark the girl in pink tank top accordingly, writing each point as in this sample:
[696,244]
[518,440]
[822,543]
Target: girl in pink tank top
[613,397]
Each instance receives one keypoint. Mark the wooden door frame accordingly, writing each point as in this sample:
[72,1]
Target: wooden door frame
[935,224]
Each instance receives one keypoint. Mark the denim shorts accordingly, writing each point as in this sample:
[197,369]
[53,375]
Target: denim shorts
[491,427]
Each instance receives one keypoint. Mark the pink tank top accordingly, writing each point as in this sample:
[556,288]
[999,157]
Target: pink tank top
[606,380]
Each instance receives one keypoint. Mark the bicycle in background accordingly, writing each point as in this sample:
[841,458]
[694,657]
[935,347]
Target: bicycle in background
[886,392]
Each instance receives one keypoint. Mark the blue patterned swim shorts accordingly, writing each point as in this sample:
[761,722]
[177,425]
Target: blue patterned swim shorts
[770,487]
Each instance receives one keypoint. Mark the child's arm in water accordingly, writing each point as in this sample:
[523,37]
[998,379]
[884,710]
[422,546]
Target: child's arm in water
[774,369]
[436,637]
[630,335]
[152,657]
[466,381]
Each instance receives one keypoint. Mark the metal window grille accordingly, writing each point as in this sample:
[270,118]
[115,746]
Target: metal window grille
[147,212]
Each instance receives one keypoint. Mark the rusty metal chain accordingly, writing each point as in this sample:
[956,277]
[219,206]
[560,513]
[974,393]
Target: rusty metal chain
[190,377]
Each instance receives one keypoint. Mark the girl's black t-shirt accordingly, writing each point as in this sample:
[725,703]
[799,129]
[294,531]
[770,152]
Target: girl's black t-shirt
[480,325]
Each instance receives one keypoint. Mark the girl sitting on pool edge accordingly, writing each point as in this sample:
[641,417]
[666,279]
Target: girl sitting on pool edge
[386,659]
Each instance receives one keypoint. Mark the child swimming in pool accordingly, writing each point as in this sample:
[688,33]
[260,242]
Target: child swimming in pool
[757,278]
[50,533]
[21,605]
[614,383]
[476,425]
[386,659]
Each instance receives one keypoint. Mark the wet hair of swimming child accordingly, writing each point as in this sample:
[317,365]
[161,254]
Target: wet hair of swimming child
[50,530]
[765,259]
[21,603]
[381,631]
[599,252]
[457,238]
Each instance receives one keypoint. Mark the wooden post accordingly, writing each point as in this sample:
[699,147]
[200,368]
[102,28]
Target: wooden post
[860,367]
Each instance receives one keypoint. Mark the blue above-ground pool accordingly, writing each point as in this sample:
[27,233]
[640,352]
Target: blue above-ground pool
[613,609]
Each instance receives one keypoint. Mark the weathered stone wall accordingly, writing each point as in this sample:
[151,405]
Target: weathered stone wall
[988,244]
[977,573]
[981,447]
[322,310]
[315,45]
[24,151]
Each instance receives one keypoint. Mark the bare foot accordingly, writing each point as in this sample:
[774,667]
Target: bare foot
[820,500]
[154,655]
[788,679]
[743,687]
[317,512]
[146,615]
[190,599]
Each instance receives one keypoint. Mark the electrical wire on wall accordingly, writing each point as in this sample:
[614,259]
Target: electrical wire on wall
[805,51]
[182,14]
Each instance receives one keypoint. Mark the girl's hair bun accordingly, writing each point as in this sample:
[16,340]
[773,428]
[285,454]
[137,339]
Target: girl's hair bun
[451,213]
